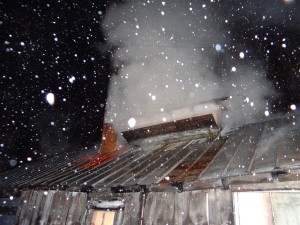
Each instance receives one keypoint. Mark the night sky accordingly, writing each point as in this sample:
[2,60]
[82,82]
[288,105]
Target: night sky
[58,47]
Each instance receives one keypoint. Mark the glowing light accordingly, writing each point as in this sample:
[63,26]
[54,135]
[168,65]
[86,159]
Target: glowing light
[233,69]
[131,122]
[267,113]
[29,159]
[293,107]
[218,47]
[72,79]
[50,98]
[242,55]
[288,1]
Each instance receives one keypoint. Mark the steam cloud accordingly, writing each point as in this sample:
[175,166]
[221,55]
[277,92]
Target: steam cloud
[167,55]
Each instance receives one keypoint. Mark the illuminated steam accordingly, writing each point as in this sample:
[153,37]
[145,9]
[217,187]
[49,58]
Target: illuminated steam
[166,55]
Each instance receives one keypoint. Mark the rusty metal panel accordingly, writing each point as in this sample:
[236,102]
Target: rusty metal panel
[199,147]
[253,208]
[286,207]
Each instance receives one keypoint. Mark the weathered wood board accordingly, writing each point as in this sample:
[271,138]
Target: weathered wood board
[193,208]
[51,208]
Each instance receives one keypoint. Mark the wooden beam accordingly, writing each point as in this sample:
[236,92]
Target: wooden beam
[205,121]
[273,186]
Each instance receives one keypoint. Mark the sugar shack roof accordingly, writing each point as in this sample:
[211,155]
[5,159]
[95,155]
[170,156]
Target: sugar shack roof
[200,158]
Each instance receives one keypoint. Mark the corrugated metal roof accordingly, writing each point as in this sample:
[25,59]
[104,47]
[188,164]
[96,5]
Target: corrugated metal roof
[253,149]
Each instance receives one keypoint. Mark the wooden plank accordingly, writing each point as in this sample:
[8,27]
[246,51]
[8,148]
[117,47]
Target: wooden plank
[220,201]
[253,208]
[31,208]
[191,208]
[59,208]
[131,209]
[159,208]
[286,207]
[43,215]
[273,186]
[77,209]
[22,207]
[205,121]
[39,206]
[89,216]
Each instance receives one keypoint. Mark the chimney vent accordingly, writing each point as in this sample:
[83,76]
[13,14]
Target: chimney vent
[109,139]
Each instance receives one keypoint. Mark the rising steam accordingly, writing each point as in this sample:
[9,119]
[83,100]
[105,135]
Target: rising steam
[166,54]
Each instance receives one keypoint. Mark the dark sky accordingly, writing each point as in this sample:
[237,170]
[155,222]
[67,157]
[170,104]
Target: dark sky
[43,45]
[46,44]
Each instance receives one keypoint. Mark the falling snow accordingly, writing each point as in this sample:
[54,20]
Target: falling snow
[58,57]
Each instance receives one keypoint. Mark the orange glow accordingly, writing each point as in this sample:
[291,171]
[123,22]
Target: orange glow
[109,139]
